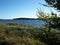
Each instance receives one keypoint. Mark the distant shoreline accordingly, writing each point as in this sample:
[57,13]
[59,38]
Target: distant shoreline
[25,18]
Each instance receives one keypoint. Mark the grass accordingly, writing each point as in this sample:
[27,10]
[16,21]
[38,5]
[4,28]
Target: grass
[19,34]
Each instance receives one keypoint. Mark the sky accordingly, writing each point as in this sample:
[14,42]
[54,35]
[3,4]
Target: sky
[10,9]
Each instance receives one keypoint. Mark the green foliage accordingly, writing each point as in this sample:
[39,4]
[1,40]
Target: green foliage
[52,22]
[42,15]
[54,3]
[51,19]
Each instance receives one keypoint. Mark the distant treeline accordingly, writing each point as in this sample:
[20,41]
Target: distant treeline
[25,18]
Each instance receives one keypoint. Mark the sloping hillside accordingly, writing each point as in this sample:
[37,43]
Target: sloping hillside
[18,34]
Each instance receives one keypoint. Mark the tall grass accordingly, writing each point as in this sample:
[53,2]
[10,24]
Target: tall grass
[19,34]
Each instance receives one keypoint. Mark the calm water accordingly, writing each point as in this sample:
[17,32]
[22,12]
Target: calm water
[38,23]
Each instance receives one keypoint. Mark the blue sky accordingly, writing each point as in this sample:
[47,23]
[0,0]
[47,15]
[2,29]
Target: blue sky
[20,8]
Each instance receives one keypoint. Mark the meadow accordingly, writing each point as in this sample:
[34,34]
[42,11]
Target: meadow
[20,34]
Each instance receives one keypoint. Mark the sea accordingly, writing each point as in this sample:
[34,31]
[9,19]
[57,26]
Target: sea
[38,23]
